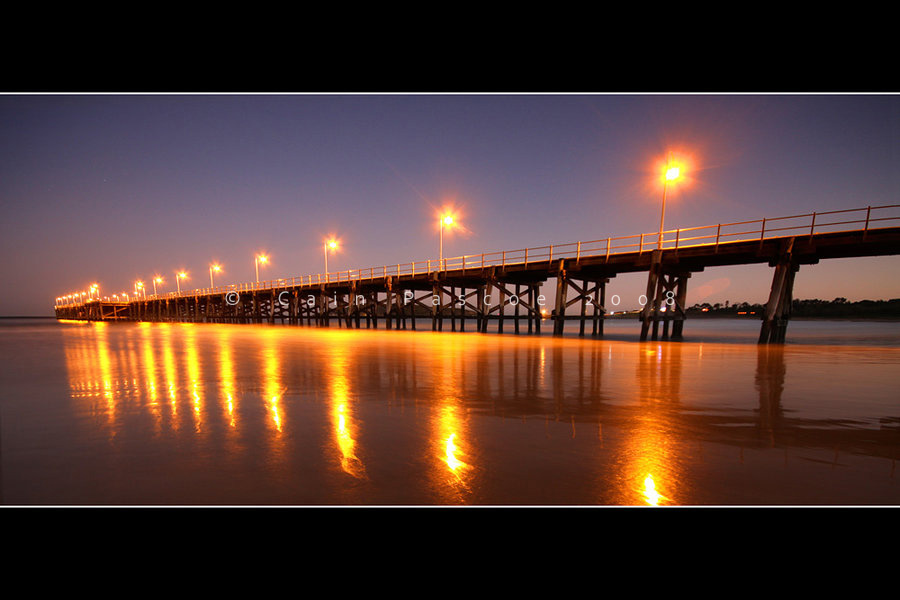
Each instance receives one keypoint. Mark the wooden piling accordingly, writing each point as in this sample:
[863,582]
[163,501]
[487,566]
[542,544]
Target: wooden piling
[778,307]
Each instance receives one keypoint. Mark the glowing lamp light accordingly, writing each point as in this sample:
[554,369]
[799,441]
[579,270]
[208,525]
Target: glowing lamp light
[330,244]
[260,258]
[213,269]
[444,220]
[178,277]
[672,173]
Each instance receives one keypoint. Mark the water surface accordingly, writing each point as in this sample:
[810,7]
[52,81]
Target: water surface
[184,414]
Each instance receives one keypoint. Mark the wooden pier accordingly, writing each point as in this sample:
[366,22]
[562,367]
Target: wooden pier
[468,293]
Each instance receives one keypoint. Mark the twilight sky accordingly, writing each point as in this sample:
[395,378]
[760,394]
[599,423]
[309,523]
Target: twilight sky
[115,188]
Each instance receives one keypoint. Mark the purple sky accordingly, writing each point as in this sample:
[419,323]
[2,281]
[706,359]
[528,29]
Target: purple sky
[114,188]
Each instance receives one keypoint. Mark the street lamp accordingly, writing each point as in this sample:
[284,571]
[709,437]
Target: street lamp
[672,173]
[329,245]
[213,268]
[95,288]
[139,289]
[260,258]
[448,221]
[156,280]
[178,277]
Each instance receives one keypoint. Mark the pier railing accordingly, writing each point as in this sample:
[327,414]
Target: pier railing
[835,221]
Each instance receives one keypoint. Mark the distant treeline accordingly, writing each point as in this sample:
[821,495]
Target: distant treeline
[839,307]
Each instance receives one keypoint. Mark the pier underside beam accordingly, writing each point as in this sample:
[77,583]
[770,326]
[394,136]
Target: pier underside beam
[665,300]
[591,291]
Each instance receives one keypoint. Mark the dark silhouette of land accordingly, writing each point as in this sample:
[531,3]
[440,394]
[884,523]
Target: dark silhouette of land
[839,308]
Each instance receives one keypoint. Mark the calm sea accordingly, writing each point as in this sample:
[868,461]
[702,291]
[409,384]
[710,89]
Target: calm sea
[197,414]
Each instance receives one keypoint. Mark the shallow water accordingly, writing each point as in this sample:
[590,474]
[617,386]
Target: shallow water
[184,414]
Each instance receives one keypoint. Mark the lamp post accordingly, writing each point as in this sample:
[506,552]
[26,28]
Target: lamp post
[156,280]
[260,258]
[448,221]
[328,245]
[178,277]
[672,173]
[213,268]
[139,289]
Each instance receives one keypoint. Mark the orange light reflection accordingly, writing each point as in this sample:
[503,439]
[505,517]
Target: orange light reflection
[341,404]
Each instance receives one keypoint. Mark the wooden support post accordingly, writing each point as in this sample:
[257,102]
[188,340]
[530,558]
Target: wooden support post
[479,309]
[518,301]
[778,308]
[346,317]
[485,309]
[401,314]
[647,313]
[375,314]
[533,309]
[306,311]
[501,304]
[462,309]
[452,308]
[680,303]
[667,283]
[584,300]
[559,313]
[599,304]
[434,307]
[338,309]
[387,303]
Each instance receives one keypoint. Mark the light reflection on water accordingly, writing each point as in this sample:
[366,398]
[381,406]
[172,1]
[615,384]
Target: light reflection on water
[241,414]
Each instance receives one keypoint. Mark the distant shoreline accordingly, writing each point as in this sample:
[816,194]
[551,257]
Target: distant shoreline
[757,317]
